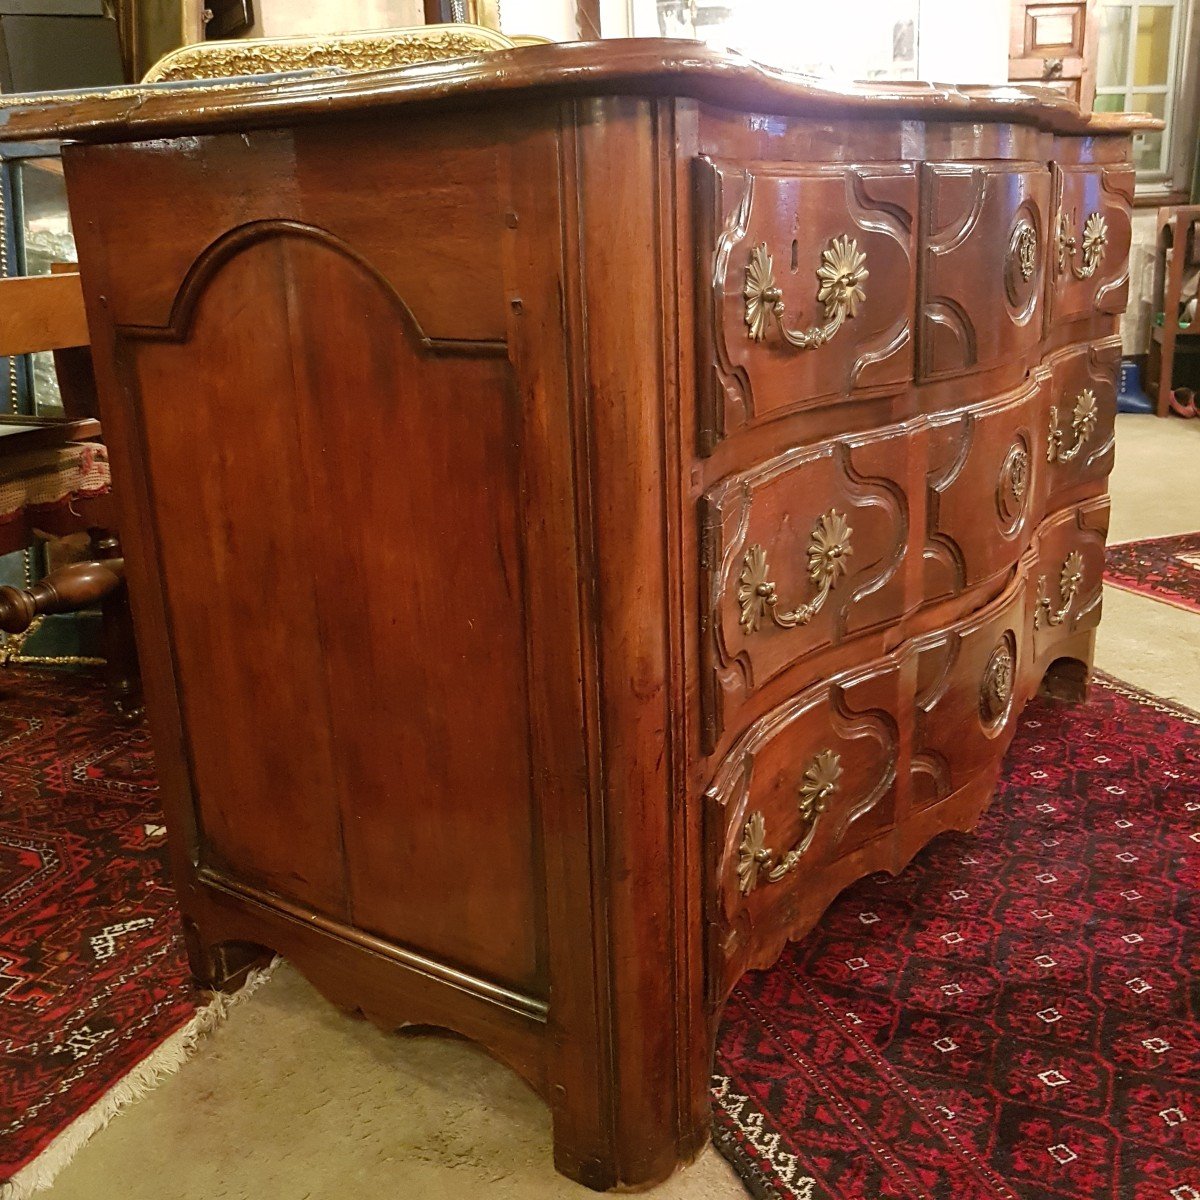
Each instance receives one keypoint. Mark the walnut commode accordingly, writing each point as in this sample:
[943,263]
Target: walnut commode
[585,506]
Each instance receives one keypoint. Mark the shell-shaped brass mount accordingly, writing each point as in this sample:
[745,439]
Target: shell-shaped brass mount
[827,553]
[755,858]
[840,279]
[1069,581]
[1090,249]
[1083,423]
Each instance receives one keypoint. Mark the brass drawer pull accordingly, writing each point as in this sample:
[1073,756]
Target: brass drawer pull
[1083,422]
[827,554]
[1068,585]
[1095,238]
[819,783]
[841,275]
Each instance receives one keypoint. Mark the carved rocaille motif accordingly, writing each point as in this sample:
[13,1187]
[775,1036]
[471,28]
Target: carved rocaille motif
[818,784]
[1018,472]
[1095,238]
[1025,245]
[1083,422]
[841,276]
[1012,485]
[827,554]
[996,691]
[1068,586]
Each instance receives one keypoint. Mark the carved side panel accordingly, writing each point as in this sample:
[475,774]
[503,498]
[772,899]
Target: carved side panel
[339,525]
[432,176]
[967,699]
[982,480]
[805,786]
[798,554]
[827,231]
[983,258]
[1090,240]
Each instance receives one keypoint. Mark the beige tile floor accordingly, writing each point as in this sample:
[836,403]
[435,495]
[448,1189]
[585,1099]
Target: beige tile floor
[289,1100]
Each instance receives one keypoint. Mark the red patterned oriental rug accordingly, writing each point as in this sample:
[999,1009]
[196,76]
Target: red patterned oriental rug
[1017,1015]
[96,1003]
[1166,569]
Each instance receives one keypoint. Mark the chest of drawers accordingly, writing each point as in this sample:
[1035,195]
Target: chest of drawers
[584,507]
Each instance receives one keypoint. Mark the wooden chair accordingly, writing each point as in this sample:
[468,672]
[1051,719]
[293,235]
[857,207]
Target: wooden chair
[1178,250]
[54,480]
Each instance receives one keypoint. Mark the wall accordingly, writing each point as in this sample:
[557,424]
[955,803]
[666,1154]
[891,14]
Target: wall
[957,42]
[1135,324]
[554,19]
[963,43]
[278,18]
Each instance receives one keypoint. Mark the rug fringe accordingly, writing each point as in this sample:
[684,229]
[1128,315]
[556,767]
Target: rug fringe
[39,1173]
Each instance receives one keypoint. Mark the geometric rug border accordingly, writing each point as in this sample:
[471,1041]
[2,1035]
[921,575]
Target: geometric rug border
[1151,594]
[1165,704]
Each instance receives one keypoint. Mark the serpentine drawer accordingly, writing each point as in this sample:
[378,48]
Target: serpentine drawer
[783,334]
[907,515]
[1066,583]
[982,258]
[1075,435]
[1092,230]
[830,784]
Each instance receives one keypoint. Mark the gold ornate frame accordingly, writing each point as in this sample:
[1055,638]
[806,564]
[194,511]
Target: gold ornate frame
[372,50]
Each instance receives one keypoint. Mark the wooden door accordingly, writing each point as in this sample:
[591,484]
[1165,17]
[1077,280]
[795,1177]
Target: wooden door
[1055,44]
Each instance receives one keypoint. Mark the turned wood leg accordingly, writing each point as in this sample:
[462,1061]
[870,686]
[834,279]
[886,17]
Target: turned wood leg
[66,590]
[121,672]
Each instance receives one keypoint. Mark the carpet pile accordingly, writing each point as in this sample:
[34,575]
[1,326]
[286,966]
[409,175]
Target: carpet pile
[1014,1017]
[1166,569]
[96,1002]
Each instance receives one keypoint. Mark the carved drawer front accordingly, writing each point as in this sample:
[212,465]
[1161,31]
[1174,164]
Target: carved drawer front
[1090,237]
[983,261]
[1065,585]
[980,486]
[797,554]
[967,698]
[810,288]
[807,784]
[1076,432]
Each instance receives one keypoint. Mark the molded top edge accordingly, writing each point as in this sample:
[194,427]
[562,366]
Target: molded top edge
[635,66]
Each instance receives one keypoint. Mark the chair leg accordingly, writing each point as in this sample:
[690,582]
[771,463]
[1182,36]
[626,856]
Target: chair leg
[81,585]
[65,590]
[121,671]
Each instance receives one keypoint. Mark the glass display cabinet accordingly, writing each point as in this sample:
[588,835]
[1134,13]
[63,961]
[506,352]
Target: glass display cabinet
[36,234]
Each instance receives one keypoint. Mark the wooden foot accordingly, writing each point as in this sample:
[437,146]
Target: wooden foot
[222,967]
